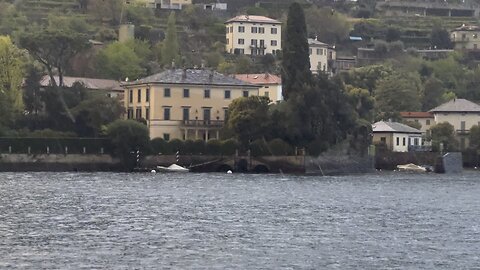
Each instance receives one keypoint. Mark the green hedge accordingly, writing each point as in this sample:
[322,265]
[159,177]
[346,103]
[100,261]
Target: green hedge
[55,145]
[276,147]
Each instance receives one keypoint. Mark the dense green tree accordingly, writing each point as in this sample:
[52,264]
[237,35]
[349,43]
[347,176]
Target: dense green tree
[128,137]
[362,101]
[94,113]
[248,118]
[296,64]
[449,71]
[443,134]
[440,39]
[474,137]
[31,91]
[170,48]
[367,77]
[53,49]
[322,113]
[11,19]
[396,93]
[433,94]
[59,102]
[119,61]
[318,18]
[11,76]
[110,10]
[393,34]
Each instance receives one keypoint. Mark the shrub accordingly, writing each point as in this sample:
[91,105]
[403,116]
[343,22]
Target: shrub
[176,145]
[159,146]
[127,137]
[279,147]
[259,148]
[193,147]
[55,145]
[229,147]
[213,147]
[198,147]
[316,147]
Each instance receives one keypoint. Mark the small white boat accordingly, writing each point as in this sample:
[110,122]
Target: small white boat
[410,167]
[172,168]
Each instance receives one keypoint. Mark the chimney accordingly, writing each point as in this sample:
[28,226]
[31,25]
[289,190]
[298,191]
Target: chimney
[210,76]
[184,73]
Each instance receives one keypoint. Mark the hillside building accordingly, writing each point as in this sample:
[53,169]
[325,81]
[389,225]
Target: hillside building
[425,119]
[396,137]
[466,8]
[462,114]
[466,37]
[270,85]
[253,35]
[322,56]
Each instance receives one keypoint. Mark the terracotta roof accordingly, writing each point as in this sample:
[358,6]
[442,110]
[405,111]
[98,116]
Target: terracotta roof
[416,114]
[262,78]
[90,83]
[253,19]
[457,105]
[393,127]
[191,77]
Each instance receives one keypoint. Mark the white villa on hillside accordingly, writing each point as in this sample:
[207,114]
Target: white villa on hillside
[322,56]
[253,35]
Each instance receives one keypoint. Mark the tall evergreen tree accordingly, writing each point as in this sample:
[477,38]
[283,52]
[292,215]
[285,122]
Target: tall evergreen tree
[11,75]
[170,48]
[296,73]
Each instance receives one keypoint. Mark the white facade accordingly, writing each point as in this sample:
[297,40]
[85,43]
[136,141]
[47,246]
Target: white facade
[320,54]
[397,137]
[253,35]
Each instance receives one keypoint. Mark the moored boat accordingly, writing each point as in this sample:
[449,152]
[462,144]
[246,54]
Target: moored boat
[172,168]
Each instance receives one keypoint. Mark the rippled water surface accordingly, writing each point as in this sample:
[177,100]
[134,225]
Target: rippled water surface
[220,221]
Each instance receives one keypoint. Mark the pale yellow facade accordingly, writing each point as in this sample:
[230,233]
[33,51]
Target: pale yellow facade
[270,85]
[183,111]
[253,35]
[461,122]
[320,54]
[466,38]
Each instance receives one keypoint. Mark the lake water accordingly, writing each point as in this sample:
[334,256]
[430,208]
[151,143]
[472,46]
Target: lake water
[220,221]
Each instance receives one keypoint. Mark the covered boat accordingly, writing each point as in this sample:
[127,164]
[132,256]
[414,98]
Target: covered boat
[411,168]
[172,168]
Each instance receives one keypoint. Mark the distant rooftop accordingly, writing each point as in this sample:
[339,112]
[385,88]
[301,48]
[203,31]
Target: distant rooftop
[90,83]
[262,78]
[467,28]
[457,105]
[253,19]
[393,127]
[312,41]
[416,114]
[191,77]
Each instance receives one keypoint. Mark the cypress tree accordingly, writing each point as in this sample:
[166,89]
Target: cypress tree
[296,72]
[170,48]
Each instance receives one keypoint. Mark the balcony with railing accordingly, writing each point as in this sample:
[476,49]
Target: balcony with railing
[463,131]
[203,123]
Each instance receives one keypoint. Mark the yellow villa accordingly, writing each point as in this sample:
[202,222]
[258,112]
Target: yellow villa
[184,103]
[253,35]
